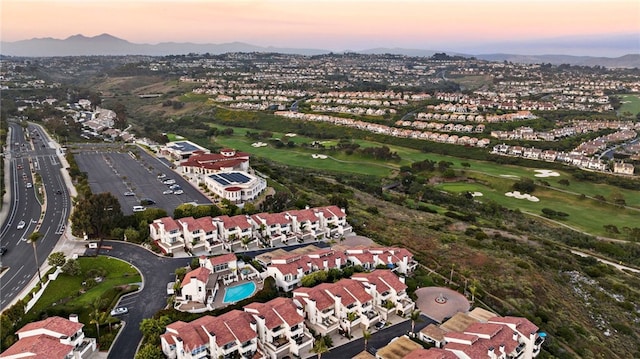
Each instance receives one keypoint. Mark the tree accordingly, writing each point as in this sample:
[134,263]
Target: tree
[415,315]
[96,215]
[320,347]
[149,351]
[98,318]
[366,335]
[473,289]
[57,259]
[525,185]
[71,267]
[152,328]
[33,238]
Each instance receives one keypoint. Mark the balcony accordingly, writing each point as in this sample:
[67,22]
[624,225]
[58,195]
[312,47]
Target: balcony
[277,345]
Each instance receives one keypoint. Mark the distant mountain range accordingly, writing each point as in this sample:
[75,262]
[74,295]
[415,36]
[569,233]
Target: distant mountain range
[105,44]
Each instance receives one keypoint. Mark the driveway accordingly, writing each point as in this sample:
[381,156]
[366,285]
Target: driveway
[156,271]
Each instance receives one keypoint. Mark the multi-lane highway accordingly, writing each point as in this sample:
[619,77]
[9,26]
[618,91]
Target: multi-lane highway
[39,198]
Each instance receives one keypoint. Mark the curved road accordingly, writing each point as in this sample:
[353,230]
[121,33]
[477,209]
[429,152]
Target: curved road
[156,271]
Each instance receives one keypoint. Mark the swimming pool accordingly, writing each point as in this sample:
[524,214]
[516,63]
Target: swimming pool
[239,292]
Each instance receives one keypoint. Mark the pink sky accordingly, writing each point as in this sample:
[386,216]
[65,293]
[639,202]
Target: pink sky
[327,24]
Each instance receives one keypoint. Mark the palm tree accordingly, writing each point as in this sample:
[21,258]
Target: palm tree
[320,347]
[33,238]
[473,288]
[366,335]
[98,318]
[415,315]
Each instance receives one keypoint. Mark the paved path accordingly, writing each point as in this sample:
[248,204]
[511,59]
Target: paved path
[429,302]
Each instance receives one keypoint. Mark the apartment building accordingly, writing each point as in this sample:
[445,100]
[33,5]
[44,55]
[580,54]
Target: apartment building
[52,338]
[399,260]
[289,269]
[389,292]
[222,233]
[344,306]
[483,335]
[274,329]
[281,329]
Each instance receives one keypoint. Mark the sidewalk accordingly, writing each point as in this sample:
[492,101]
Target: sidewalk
[67,243]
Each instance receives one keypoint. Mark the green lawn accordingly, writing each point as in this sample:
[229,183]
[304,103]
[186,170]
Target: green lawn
[630,103]
[494,179]
[65,290]
[584,214]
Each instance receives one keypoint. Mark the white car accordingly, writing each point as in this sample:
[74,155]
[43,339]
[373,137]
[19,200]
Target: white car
[169,191]
[178,191]
[129,194]
[161,176]
[29,185]
[169,181]
[119,310]
[139,208]
[21,225]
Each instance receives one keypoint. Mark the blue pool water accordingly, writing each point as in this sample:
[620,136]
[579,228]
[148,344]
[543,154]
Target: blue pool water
[239,292]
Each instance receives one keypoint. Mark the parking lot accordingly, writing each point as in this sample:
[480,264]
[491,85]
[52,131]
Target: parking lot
[122,172]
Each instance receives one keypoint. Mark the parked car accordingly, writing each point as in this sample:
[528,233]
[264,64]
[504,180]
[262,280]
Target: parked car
[169,181]
[175,186]
[139,208]
[161,176]
[179,191]
[129,194]
[379,325]
[147,202]
[119,311]
[29,185]
[169,191]
[21,225]
[3,250]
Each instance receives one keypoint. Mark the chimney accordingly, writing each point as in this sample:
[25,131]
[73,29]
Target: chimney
[515,336]
[490,353]
[402,279]
[73,318]
[502,349]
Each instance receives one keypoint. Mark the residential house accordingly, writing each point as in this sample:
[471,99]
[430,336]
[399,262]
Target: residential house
[623,168]
[233,334]
[52,338]
[343,305]
[232,230]
[389,292]
[199,234]
[167,234]
[281,329]
[399,260]
[289,269]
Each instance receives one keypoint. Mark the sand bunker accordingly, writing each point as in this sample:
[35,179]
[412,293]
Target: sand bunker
[258,144]
[509,176]
[477,194]
[546,173]
[291,135]
[322,157]
[518,195]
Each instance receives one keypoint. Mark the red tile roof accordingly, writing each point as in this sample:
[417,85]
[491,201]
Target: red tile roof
[384,279]
[56,324]
[303,215]
[239,221]
[200,273]
[38,346]
[169,224]
[221,259]
[271,218]
[206,224]
[522,325]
